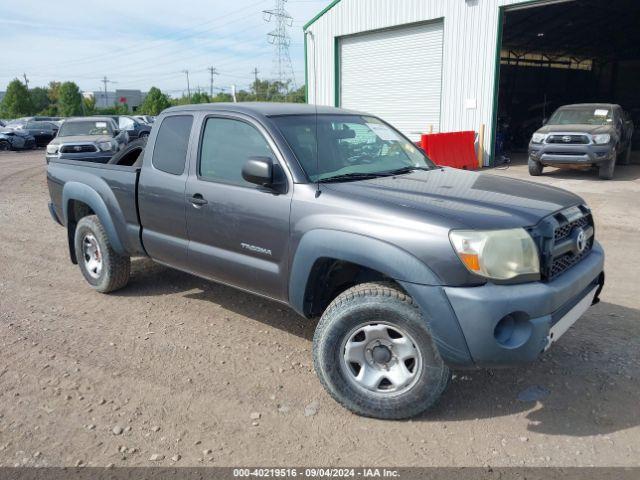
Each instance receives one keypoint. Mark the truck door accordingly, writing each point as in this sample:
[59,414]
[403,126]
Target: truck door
[238,232]
[161,200]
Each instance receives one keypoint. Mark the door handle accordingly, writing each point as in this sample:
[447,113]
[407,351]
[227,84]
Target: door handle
[197,200]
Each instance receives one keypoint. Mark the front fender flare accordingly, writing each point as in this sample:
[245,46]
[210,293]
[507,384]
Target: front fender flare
[368,252]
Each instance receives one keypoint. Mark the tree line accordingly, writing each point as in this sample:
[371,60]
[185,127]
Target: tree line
[64,99]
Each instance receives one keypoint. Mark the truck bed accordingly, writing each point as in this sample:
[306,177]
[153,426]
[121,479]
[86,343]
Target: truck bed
[116,186]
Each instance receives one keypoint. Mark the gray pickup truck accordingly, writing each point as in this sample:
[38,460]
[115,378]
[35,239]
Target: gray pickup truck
[590,134]
[413,269]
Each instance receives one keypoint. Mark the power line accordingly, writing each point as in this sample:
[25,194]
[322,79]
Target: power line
[279,37]
[212,72]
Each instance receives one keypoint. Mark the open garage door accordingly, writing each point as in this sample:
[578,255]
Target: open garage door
[580,51]
[395,74]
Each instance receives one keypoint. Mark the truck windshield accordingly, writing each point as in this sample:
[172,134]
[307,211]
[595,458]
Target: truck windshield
[581,116]
[349,147]
[69,129]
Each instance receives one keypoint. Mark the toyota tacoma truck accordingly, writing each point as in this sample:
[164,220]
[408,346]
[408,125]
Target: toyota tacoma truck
[589,135]
[412,269]
[90,139]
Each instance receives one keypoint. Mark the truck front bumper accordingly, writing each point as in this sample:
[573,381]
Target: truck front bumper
[559,154]
[495,325]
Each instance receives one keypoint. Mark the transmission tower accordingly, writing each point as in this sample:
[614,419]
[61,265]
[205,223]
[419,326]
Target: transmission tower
[279,37]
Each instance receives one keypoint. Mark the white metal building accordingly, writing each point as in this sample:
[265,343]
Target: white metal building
[434,65]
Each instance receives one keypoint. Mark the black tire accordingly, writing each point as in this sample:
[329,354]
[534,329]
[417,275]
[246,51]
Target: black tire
[4,146]
[606,169]
[115,268]
[535,168]
[374,303]
[625,158]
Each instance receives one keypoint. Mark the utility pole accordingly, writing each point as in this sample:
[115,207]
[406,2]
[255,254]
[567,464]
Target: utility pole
[186,72]
[255,84]
[106,81]
[26,80]
[279,37]
[213,72]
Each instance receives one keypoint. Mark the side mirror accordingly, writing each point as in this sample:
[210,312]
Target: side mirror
[116,132]
[258,170]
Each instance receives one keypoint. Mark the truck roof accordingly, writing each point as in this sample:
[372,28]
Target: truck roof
[266,109]
[91,119]
[590,105]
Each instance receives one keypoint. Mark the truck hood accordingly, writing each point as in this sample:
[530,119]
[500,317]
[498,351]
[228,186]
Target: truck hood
[591,129]
[465,199]
[81,139]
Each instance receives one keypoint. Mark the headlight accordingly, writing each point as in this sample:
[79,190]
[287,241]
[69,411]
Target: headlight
[601,139]
[52,149]
[497,254]
[538,137]
[106,146]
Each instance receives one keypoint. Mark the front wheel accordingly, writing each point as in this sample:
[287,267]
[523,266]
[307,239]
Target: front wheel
[535,168]
[374,353]
[101,266]
[4,146]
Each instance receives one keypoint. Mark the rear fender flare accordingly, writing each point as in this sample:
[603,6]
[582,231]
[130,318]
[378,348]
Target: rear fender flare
[83,193]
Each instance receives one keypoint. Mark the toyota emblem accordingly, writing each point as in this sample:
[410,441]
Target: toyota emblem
[581,241]
[77,148]
[566,139]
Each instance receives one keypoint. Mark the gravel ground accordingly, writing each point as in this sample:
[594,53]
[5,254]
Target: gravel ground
[175,370]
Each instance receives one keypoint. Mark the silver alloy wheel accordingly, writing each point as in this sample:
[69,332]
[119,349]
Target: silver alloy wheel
[381,358]
[92,255]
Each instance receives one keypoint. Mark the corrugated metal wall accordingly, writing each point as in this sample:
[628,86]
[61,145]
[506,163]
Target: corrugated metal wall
[470,35]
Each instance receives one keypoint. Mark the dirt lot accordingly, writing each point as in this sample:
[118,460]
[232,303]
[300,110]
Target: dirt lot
[180,368]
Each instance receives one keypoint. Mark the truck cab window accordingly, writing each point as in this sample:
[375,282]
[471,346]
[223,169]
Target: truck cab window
[226,146]
[170,150]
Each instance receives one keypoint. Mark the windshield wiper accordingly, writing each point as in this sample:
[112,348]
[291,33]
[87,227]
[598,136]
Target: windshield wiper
[408,169]
[353,176]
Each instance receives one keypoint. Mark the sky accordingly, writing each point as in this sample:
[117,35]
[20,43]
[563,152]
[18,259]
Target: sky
[145,43]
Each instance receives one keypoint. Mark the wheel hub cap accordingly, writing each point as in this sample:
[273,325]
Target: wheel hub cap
[381,358]
[92,255]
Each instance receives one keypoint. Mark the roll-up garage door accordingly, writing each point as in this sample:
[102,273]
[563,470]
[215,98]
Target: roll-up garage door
[395,74]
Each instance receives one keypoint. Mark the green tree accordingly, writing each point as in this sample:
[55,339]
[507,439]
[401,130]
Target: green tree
[16,102]
[39,100]
[154,103]
[70,100]
[89,105]
[200,97]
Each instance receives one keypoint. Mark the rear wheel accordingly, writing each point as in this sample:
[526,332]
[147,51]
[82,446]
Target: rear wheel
[625,158]
[535,168]
[374,353]
[101,266]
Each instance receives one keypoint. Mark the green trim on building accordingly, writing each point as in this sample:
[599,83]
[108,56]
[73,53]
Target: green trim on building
[325,10]
[306,71]
[336,70]
[496,88]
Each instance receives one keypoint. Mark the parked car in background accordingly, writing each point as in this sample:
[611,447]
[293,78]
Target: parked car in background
[133,128]
[148,119]
[92,139]
[338,215]
[593,134]
[42,131]
[2,123]
[11,139]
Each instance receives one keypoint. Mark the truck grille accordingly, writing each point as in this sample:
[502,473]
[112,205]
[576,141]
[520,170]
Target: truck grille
[558,242]
[78,149]
[568,139]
